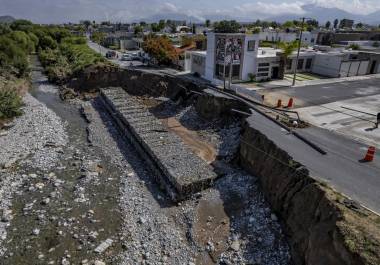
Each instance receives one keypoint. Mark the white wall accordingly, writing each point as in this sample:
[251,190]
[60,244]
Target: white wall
[210,58]
[354,68]
[249,57]
[327,65]
[307,36]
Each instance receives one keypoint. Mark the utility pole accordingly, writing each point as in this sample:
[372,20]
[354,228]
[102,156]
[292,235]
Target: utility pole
[299,49]
[224,63]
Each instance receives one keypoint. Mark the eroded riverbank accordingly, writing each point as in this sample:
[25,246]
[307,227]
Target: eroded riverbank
[91,198]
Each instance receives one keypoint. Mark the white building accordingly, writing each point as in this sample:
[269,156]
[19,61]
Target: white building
[339,64]
[248,60]
[240,52]
[308,38]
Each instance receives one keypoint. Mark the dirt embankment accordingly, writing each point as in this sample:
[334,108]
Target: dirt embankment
[135,82]
[323,226]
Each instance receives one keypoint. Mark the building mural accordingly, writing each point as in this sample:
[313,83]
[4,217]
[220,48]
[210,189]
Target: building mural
[228,52]
[232,46]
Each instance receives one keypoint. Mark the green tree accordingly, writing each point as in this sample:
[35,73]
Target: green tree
[287,49]
[138,30]
[22,25]
[336,22]
[87,23]
[208,23]
[47,42]
[23,41]
[360,25]
[328,25]
[161,24]
[288,24]
[98,37]
[226,26]
[155,27]
[312,24]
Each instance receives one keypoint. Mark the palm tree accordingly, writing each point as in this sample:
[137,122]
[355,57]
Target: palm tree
[287,49]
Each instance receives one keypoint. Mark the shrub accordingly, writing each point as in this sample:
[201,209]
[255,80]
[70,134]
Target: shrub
[354,46]
[251,77]
[10,104]
[47,42]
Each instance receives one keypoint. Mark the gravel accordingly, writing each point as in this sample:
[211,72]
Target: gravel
[150,234]
[38,133]
[36,138]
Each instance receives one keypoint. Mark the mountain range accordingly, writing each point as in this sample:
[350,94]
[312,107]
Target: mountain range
[7,19]
[322,14]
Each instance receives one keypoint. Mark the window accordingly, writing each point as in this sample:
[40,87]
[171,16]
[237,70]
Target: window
[263,64]
[289,63]
[236,71]
[300,64]
[251,45]
[263,70]
[219,68]
[262,74]
[308,63]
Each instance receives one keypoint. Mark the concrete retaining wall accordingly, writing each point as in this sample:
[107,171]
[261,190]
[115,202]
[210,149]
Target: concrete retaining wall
[181,172]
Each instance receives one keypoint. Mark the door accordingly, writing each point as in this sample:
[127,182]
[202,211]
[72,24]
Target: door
[373,65]
[275,72]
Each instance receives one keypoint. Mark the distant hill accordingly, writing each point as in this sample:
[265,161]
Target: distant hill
[323,14]
[7,19]
[315,11]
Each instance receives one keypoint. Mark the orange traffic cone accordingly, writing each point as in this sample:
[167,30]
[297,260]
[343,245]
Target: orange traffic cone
[290,103]
[279,103]
[370,154]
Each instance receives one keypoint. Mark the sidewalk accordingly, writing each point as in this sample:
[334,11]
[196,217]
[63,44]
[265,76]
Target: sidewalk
[288,83]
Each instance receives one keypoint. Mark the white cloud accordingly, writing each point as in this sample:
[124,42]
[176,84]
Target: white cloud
[168,7]
[352,6]
[271,9]
[132,10]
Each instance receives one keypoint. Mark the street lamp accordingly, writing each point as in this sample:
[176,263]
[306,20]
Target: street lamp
[299,49]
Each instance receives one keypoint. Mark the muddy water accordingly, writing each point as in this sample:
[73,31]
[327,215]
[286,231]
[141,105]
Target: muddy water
[64,228]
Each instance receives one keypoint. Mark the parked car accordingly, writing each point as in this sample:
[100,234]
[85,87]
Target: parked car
[111,54]
[127,57]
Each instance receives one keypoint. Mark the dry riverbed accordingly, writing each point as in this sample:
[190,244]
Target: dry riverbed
[72,191]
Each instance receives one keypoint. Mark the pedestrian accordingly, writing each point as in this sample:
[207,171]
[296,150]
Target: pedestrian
[377,120]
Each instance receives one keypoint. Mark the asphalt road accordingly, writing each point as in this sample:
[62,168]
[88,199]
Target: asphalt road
[326,93]
[340,167]
[102,50]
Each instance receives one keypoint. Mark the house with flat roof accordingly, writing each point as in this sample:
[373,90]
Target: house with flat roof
[239,56]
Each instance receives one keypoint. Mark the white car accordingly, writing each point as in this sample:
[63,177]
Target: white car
[126,57]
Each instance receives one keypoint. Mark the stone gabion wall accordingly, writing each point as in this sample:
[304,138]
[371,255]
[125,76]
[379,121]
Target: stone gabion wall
[179,170]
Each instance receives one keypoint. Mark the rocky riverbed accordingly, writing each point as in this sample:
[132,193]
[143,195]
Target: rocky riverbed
[73,191]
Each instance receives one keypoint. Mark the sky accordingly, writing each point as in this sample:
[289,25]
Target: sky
[58,11]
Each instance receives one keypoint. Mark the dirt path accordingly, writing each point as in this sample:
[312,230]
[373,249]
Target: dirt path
[202,149]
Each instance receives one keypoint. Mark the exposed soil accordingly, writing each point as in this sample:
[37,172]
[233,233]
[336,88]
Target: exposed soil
[204,150]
